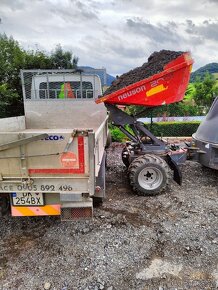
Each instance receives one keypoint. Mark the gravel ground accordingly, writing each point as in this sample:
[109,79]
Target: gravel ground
[169,241]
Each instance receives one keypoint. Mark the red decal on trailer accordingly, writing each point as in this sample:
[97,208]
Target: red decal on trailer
[68,159]
[79,170]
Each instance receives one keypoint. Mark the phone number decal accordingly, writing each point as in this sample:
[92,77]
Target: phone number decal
[42,187]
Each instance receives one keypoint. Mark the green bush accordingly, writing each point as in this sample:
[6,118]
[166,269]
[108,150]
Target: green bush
[116,134]
[174,129]
[164,129]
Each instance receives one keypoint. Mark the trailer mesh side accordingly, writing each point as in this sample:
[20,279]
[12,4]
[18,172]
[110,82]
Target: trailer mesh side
[68,214]
[58,84]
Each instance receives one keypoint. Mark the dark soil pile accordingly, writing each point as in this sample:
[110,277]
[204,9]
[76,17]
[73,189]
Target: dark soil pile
[155,64]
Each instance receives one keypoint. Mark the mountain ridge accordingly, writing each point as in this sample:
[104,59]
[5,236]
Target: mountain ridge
[109,78]
[212,68]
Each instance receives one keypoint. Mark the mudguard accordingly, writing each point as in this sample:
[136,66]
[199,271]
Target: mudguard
[177,174]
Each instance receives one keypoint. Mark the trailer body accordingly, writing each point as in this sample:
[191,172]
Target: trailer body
[53,158]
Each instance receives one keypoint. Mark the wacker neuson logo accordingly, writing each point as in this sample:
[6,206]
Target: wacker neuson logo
[132,93]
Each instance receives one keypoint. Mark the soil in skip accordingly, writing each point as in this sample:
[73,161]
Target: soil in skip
[155,64]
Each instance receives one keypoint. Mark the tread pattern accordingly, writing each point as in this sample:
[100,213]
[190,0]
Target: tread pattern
[140,162]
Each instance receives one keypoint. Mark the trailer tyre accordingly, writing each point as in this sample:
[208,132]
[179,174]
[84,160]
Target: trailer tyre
[149,174]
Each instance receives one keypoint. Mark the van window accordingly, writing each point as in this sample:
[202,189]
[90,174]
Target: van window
[62,90]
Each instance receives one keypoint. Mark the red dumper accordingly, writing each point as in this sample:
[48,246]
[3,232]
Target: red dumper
[148,158]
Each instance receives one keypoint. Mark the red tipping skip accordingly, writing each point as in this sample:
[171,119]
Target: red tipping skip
[166,87]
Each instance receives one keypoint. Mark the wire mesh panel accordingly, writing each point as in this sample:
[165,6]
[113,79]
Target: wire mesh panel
[68,214]
[59,84]
[100,72]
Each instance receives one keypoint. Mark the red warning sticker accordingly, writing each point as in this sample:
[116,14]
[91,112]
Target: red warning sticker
[68,159]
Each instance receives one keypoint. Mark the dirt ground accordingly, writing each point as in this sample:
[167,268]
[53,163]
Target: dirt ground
[169,241]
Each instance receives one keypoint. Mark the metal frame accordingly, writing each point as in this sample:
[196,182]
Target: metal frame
[22,141]
[120,119]
[82,72]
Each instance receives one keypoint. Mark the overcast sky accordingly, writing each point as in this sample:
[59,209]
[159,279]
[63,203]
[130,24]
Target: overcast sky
[115,34]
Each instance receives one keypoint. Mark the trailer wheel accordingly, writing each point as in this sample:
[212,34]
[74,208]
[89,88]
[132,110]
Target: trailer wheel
[125,157]
[148,174]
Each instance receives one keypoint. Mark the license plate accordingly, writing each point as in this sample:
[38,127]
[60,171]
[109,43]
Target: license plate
[27,198]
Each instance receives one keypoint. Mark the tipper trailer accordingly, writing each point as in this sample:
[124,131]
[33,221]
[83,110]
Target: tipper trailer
[53,158]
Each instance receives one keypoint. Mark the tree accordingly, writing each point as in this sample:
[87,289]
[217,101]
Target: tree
[12,59]
[37,60]
[182,109]
[63,59]
[205,91]
[10,102]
